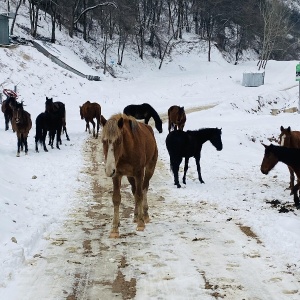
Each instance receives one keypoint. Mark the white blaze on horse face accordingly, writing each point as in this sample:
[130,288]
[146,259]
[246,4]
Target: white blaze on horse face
[282,140]
[110,165]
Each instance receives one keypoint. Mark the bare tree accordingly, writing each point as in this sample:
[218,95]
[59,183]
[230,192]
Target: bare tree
[15,17]
[166,48]
[34,8]
[274,15]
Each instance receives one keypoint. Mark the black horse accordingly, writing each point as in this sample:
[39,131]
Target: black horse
[144,111]
[8,106]
[189,144]
[43,125]
[57,113]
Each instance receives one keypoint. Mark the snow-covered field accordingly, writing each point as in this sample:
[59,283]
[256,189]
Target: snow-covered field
[40,191]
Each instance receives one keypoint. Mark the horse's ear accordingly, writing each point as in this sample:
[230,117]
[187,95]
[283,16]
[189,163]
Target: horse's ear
[289,129]
[120,123]
[264,145]
[102,120]
[281,128]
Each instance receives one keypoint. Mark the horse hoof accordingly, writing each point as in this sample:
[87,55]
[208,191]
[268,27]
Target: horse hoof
[114,235]
[18,155]
[140,228]
[178,186]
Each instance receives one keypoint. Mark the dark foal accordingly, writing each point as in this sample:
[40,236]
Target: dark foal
[181,144]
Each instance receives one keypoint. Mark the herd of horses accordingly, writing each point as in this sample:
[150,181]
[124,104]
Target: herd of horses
[52,121]
[130,147]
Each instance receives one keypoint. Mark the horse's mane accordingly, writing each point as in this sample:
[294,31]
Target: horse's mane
[111,130]
[154,114]
[202,130]
[292,154]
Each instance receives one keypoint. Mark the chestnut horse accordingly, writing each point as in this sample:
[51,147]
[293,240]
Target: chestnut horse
[90,111]
[290,139]
[8,105]
[289,156]
[177,117]
[130,150]
[21,124]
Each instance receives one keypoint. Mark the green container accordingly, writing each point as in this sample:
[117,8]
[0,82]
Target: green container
[4,30]
[298,72]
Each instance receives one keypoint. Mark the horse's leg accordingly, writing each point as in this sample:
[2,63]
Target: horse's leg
[44,134]
[22,142]
[133,189]
[6,117]
[138,197]
[175,163]
[186,166]
[25,144]
[88,126]
[94,125]
[197,160]
[98,127]
[65,131]
[18,145]
[292,178]
[58,138]
[148,175]
[116,199]
[296,197]
[36,144]
[51,138]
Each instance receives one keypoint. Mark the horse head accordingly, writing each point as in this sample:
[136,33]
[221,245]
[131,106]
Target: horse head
[158,125]
[270,159]
[216,139]
[18,113]
[49,104]
[112,143]
[285,136]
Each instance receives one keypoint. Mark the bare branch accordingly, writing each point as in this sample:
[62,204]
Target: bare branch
[93,7]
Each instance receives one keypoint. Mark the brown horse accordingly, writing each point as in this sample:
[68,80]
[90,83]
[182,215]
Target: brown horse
[290,139]
[130,150]
[90,111]
[8,105]
[177,117]
[21,124]
[289,156]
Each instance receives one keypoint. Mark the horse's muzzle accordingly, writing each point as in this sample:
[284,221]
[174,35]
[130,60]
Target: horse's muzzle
[265,172]
[111,174]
